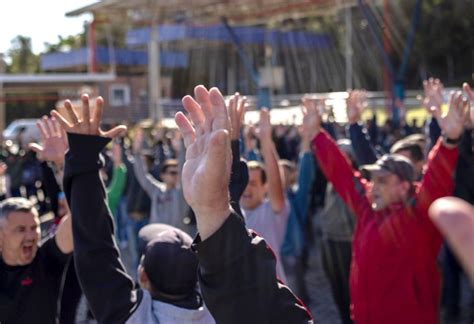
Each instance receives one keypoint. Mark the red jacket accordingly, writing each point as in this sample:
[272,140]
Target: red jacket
[394,277]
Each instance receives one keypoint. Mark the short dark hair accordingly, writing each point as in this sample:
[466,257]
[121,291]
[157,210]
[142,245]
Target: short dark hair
[287,164]
[167,164]
[256,165]
[16,204]
[413,148]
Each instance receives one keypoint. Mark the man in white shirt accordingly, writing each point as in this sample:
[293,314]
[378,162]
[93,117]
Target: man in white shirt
[263,201]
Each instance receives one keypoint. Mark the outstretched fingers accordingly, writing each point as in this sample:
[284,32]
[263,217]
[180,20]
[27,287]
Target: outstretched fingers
[202,96]
[43,133]
[62,121]
[35,147]
[195,112]
[97,115]
[186,128]
[71,113]
[115,132]
[219,111]
[86,118]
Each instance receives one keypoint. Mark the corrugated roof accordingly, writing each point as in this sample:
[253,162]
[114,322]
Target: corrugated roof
[209,11]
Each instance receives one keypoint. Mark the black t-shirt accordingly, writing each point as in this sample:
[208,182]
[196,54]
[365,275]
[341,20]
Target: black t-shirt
[29,294]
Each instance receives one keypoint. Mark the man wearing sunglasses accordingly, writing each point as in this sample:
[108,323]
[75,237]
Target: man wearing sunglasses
[167,201]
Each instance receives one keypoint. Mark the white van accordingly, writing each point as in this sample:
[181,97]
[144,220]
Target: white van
[28,126]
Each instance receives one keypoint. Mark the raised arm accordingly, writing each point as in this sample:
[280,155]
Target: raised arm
[438,181]
[275,191]
[119,177]
[307,170]
[433,99]
[455,219]
[237,269]
[239,174]
[53,148]
[110,292]
[361,145]
[334,164]
[146,180]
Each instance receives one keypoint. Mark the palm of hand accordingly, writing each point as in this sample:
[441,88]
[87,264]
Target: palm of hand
[433,99]
[54,148]
[86,125]
[206,171]
[452,124]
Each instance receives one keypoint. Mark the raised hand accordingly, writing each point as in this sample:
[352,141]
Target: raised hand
[54,141]
[206,171]
[86,124]
[355,105]
[312,117]
[237,107]
[470,94]
[433,89]
[264,130]
[455,219]
[137,143]
[452,124]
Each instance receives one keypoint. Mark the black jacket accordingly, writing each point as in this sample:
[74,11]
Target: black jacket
[237,269]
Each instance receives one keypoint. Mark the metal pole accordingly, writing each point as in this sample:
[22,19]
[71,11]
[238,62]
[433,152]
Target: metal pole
[154,66]
[2,107]
[92,47]
[349,69]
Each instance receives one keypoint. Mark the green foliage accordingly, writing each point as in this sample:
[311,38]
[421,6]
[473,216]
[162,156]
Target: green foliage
[22,58]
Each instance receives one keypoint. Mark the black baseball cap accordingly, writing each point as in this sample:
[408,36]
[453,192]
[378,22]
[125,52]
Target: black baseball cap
[392,164]
[168,260]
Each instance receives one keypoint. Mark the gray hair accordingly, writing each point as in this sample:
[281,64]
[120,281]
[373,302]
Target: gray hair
[16,204]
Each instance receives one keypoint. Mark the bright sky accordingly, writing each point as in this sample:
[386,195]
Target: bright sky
[42,21]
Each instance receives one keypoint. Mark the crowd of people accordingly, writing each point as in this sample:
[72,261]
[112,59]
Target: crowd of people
[221,219]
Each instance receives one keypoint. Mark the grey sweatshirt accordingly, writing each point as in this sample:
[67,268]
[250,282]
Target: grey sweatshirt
[167,206]
[153,312]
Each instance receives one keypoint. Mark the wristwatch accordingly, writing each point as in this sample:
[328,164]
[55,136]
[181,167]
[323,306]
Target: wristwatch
[451,141]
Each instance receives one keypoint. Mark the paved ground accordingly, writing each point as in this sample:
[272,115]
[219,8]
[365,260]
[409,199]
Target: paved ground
[321,305]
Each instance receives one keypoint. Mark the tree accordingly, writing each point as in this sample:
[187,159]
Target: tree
[22,58]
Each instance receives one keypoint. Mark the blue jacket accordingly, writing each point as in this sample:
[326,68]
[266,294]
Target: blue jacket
[295,240]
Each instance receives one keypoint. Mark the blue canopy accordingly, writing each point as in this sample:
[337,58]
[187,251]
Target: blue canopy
[247,35]
[61,60]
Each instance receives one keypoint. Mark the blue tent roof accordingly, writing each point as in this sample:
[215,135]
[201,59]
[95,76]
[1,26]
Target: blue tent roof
[247,35]
[79,57]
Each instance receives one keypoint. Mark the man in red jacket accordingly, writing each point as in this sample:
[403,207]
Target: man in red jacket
[393,277]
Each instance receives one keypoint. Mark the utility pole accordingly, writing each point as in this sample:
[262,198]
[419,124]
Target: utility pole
[2,95]
[154,66]
[348,46]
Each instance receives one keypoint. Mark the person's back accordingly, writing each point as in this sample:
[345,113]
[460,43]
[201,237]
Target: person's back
[155,311]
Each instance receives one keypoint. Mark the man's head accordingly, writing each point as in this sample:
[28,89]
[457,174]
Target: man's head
[169,173]
[289,172]
[412,149]
[391,178]
[19,231]
[256,190]
[168,267]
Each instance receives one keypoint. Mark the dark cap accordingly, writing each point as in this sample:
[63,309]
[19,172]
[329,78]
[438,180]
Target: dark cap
[392,164]
[168,260]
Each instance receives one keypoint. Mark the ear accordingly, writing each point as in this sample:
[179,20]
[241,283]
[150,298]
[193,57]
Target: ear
[143,278]
[406,186]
